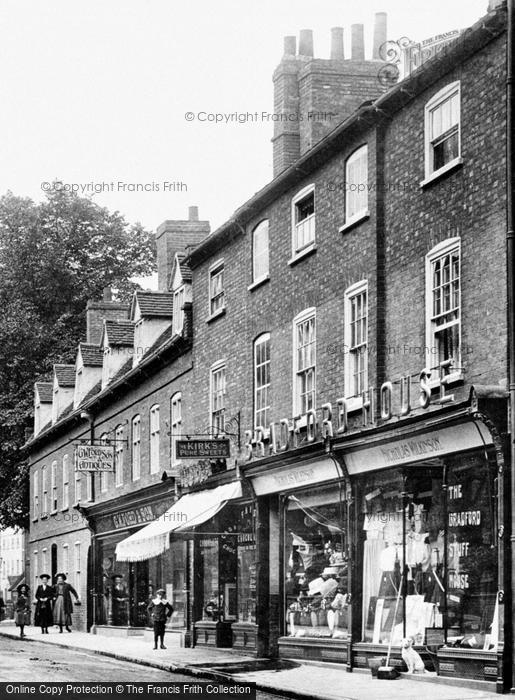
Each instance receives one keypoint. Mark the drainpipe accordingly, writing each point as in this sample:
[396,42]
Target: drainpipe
[510,256]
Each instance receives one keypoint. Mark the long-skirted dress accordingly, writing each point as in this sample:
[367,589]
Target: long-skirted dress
[44,597]
[22,610]
[63,604]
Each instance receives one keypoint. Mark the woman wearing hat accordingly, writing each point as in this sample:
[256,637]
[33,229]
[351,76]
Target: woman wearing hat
[22,608]
[44,597]
[160,611]
[63,607]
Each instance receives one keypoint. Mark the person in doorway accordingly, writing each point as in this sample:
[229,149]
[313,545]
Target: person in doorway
[22,608]
[44,597]
[160,611]
[119,599]
[63,607]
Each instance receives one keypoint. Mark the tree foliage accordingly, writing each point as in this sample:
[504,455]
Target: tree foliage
[54,257]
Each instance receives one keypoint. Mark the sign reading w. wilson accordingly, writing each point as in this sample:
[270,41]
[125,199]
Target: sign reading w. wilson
[94,458]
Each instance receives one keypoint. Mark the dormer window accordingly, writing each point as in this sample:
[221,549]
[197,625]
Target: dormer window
[178,310]
[216,289]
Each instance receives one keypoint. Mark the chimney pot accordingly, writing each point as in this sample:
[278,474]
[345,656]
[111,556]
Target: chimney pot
[358,43]
[108,294]
[306,42]
[290,46]
[337,43]
[193,213]
[379,34]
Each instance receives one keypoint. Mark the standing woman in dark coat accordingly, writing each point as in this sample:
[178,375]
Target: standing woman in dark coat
[63,607]
[44,598]
[22,608]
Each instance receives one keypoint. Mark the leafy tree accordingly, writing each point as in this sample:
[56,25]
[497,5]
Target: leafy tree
[54,257]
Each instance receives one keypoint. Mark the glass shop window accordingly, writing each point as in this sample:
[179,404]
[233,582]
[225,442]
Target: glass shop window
[315,591]
[209,551]
[423,521]
[472,607]
[247,569]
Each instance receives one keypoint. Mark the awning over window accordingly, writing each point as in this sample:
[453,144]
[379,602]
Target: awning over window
[189,511]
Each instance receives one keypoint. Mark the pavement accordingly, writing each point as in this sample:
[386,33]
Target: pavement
[306,681]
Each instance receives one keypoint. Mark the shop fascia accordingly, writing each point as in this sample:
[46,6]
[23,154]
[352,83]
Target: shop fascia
[318,426]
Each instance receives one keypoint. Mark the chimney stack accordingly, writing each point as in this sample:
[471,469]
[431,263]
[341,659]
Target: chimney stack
[177,237]
[107,294]
[306,43]
[358,43]
[97,311]
[337,43]
[379,34]
[290,46]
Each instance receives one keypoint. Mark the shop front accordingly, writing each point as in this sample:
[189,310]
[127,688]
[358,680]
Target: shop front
[121,590]
[427,505]
[200,550]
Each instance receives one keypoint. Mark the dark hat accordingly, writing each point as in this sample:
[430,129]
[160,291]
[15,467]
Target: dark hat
[22,585]
[45,576]
[161,590]
[63,576]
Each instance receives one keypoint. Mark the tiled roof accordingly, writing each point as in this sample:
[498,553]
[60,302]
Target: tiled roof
[126,367]
[184,267]
[45,391]
[92,355]
[92,392]
[65,374]
[120,332]
[155,303]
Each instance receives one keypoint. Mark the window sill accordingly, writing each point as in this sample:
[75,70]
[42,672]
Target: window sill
[357,219]
[43,517]
[217,314]
[258,283]
[449,167]
[53,512]
[453,378]
[63,510]
[354,404]
[34,520]
[302,254]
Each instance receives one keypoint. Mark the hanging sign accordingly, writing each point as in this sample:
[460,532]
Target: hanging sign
[218,448]
[94,458]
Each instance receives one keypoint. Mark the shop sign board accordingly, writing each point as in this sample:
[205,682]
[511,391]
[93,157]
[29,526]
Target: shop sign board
[420,447]
[394,399]
[416,54]
[218,448]
[291,477]
[94,458]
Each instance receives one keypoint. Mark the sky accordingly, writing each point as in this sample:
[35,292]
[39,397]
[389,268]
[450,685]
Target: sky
[94,94]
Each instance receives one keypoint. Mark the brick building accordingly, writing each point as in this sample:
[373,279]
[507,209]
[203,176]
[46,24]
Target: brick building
[339,334]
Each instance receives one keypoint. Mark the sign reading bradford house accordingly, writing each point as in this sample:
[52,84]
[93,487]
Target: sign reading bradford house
[203,449]
[94,458]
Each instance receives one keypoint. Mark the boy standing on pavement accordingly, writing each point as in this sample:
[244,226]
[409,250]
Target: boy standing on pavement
[160,611]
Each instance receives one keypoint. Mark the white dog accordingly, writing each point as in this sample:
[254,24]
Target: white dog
[412,658]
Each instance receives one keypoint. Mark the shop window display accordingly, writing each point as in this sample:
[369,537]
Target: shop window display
[210,581]
[410,581]
[316,591]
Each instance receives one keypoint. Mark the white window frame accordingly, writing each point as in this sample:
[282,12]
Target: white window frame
[444,248]
[78,487]
[309,228]
[136,447]
[44,488]
[44,560]
[118,455]
[36,569]
[359,199]
[441,96]
[66,482]
[179,297]
[260,257]
[354,402]
[216,269]
[53,487]
[300,319]
[175,423]
[35,495]
[66,560]
[214,407]
[89,486]
[263,388]
[154,429]
[77,568]
[103,475]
